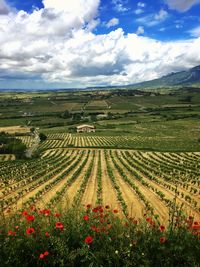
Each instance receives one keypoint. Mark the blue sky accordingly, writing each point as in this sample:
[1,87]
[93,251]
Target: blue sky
[64,43]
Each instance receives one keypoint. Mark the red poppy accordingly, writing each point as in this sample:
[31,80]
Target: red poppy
[59,225]
[148,219]
[162,228]
[42,256]
[11,233]
[162,239]
[88,240]
[86,218]
[30,231]
[89,206]
[196,227]
[95,210]
[57,215]
[190,217]
[196,223]
[30,218]
[46,253]
[46,212]
[25,213]
[115,211]
[47,234]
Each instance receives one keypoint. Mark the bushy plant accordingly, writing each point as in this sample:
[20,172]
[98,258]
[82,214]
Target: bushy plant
[97,236]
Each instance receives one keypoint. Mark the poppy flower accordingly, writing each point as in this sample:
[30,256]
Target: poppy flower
[107,206]
[89,206]
[30,218]
[42,256]
[47,234]
[46,212]
[162,228]
[196,223]
[88,240]
[25,213]
[59,225]
[115,211]
[162,239]
[86,218]
[30,231]
[95,210]
[46,253]
[57,215]
[11,233]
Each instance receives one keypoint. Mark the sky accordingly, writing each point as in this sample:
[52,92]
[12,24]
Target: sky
[48,44]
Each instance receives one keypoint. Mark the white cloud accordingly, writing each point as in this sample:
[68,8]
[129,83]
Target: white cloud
[181,5]
[140,30]
[119,5]
[153,19]
[56,45]
[4,8]
[141,4]
[195,32]
[139,11]
[162,15]
[112,22]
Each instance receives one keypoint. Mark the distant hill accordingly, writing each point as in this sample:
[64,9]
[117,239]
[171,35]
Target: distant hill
[189,77]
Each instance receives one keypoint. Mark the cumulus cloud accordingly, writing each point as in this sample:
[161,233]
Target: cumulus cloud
[141,4]
[119,5]
[140,30]
[56,44]
[112,22]
[4,8]
[195,32]
[181,5]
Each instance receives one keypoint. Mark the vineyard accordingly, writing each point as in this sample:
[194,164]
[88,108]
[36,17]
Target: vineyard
[130,181]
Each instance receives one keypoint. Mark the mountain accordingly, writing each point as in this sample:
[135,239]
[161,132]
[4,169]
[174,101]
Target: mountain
[188,77]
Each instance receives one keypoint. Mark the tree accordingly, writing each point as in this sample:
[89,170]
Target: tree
[42,137]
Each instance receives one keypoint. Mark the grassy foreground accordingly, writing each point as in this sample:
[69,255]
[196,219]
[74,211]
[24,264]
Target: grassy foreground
[97,236]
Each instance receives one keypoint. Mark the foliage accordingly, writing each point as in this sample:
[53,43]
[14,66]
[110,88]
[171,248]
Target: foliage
[42,137]
[10,144]
[96,236]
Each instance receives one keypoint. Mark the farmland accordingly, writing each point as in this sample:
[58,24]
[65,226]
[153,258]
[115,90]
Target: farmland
[130,181]
[144,155]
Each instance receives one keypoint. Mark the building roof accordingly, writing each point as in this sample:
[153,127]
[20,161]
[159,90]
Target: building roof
[85,126]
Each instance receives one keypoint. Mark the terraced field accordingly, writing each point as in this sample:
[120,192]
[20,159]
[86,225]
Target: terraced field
[128,180]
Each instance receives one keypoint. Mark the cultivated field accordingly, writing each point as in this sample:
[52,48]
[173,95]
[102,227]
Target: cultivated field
[130,181]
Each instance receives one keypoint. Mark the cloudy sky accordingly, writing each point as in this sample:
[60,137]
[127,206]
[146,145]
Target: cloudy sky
[80,43]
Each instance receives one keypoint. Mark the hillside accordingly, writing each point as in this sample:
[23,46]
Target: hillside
[189,77]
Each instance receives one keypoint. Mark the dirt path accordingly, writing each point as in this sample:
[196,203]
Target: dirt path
[69,195]
[135,206]
[90,194]
[108,193]
[157,204]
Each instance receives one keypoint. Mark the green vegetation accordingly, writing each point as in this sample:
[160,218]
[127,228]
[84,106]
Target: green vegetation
[97,236]
[154,120]
[11,145]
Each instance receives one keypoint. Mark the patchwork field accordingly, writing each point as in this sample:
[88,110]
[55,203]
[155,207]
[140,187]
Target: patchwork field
[130,181]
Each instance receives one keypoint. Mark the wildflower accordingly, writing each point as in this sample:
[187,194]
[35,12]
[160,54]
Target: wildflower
[89,206]
[116,252]
[30,218]
[57,215]
[47,234]
[115,211]
[59,225]
[162,228]
[196,223]
[95,210]
[86,218]
[42,256]
[162,239]
[25,213]
[30,231]
[107,206]
[11,233]
[46,253]
[46,212]
[88,240]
